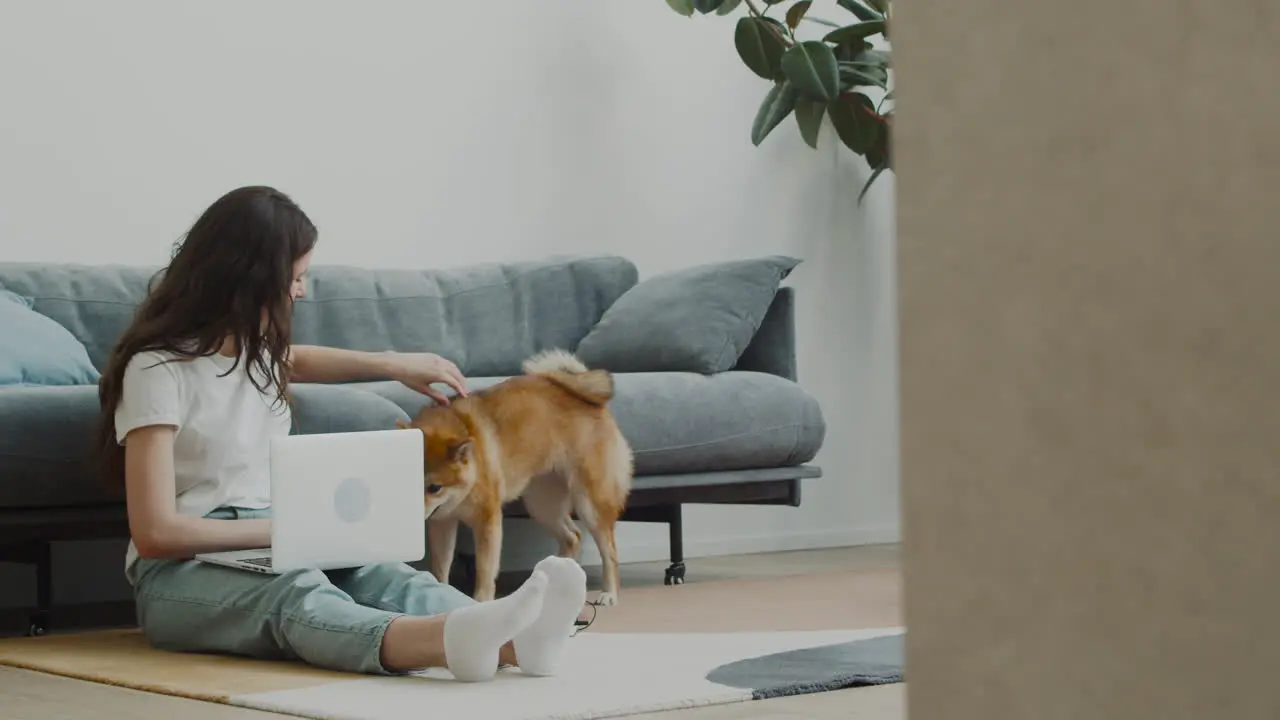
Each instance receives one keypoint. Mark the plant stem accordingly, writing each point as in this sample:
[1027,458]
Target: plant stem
[820,21]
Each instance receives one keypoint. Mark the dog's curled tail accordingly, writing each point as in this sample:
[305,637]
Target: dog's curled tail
[554,360]
[565,370]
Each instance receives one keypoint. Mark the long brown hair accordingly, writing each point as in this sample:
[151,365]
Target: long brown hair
[230,277]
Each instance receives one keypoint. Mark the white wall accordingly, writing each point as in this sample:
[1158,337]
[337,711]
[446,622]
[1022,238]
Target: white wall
[442,134]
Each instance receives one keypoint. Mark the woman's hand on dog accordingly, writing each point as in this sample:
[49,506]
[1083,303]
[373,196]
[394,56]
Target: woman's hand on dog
[421,371]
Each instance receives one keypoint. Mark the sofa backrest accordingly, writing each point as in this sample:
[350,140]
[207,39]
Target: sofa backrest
[486,318]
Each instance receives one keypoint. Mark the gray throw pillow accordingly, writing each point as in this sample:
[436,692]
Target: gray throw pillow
[699,319]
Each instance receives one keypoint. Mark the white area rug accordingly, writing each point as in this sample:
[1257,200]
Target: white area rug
[604,675]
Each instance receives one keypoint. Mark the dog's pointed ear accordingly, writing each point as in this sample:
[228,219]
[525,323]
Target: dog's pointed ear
[402,424]
[460,452]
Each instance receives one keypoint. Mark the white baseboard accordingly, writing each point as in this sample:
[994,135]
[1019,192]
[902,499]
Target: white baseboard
[695,547]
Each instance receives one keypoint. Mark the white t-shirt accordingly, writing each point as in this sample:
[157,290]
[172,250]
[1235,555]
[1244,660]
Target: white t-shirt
[222,447]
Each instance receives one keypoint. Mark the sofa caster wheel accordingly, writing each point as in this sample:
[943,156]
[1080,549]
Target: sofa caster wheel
[675,574]
[38,627]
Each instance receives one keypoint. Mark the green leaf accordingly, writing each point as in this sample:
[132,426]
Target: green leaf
[728,6]
[812,68]
[779,103]
[872,55]
[850,51]
[864,65]
[706,6]
[851,77]
[773,2]
[881,6]
[872,72]
[878,152]
[855,32]
[861,11]
[759,47]
[684,7]
[853,115]
[809,118]
[796,13]
[874,174]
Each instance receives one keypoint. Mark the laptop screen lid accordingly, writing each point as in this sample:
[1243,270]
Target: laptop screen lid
[342,500]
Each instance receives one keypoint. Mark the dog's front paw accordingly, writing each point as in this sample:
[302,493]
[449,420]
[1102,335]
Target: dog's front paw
[607,599]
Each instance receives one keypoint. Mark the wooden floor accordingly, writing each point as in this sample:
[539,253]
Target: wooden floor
[32,695]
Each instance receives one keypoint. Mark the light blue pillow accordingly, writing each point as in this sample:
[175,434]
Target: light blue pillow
[35,350]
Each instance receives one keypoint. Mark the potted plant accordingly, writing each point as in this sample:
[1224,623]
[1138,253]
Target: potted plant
[832,75]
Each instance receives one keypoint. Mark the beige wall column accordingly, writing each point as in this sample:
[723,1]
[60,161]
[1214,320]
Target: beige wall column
[1089,229]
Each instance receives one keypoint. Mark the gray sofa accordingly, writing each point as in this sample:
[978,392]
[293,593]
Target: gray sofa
[742,436]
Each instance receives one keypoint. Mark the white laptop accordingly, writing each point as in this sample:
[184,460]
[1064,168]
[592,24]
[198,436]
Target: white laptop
[341,500]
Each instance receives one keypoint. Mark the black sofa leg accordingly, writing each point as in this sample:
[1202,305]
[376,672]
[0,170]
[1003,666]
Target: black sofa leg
[463,573]
[675,527]
[44,589]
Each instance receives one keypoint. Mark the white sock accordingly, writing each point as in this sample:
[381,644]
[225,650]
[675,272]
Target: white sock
[540,646]
[474,634]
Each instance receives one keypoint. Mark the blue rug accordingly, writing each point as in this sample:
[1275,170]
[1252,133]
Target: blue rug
[874,661]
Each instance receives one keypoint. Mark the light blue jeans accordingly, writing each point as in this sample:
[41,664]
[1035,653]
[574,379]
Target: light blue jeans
[332,619]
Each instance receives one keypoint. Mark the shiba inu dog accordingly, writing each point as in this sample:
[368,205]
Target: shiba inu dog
[546,437]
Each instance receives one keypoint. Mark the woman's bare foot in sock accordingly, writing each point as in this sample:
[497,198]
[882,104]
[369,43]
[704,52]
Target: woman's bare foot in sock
[475,635]
[540,646]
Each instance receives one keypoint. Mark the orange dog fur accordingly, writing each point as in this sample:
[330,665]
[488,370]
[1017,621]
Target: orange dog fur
[547,437]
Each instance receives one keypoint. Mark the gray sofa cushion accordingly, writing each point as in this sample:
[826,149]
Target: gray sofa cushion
[340,408]
[698,319]
[686,422]
[485,318]
[46,436]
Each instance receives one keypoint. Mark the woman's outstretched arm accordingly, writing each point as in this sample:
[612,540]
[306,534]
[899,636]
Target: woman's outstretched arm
[318,364]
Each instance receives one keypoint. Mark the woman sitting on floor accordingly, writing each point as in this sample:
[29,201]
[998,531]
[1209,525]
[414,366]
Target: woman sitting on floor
[192,395]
